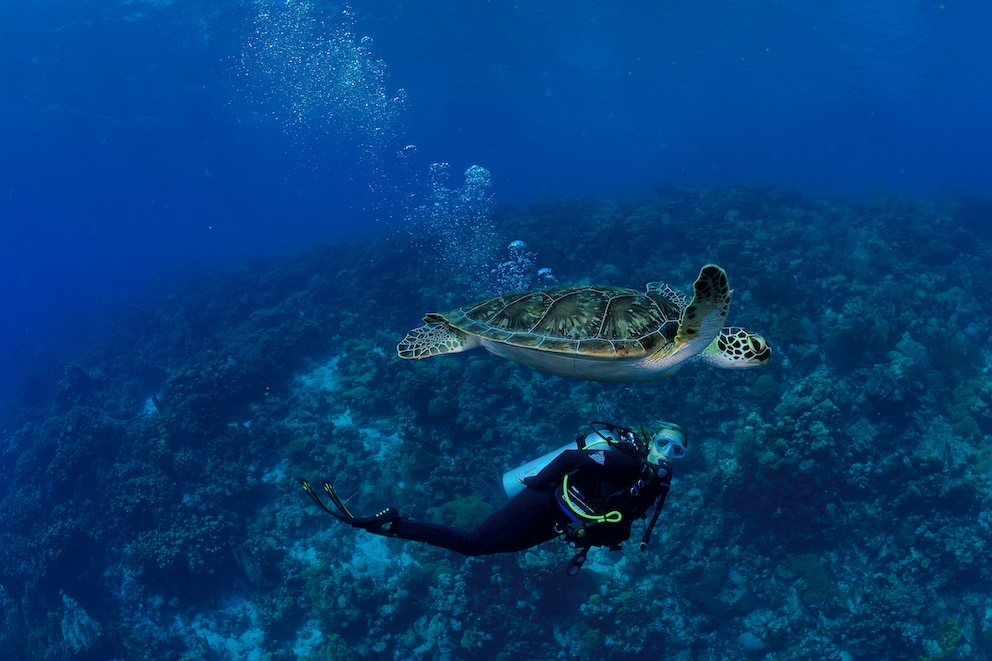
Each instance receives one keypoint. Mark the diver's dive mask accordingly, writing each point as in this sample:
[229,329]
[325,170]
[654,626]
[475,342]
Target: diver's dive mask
[668,443]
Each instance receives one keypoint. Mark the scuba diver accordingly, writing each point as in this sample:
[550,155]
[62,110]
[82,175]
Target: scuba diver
[588,493]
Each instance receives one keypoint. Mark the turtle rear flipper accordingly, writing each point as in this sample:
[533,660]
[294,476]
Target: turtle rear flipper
[434,338]
[705,315]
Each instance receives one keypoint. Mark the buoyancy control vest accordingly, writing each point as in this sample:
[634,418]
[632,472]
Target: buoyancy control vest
[600,512]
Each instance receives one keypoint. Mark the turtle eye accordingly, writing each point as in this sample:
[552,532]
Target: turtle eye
[760,349]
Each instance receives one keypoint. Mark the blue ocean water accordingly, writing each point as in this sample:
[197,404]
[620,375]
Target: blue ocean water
[144,138]
[190,188]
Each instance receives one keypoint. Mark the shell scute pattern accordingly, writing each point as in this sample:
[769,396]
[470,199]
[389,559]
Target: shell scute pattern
[560,345]
[572,314]
[595,321]
[596,347]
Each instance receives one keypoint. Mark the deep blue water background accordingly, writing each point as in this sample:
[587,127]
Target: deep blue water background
[132,148]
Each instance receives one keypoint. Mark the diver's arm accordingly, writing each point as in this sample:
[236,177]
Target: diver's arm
[564,463]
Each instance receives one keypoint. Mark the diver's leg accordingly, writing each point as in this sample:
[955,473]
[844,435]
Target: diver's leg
[526,520]
[434,534]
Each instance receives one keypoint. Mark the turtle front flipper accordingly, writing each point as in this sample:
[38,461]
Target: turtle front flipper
[703,319]
[435,337]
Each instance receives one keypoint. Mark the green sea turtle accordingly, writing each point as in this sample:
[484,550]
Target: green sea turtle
[598,333]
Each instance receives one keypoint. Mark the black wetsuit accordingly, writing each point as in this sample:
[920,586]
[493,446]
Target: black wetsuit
[536,514]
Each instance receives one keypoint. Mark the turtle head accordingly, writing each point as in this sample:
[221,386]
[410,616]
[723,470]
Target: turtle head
[736,348]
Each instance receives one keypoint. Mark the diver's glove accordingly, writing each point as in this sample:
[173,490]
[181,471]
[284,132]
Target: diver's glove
[531,483]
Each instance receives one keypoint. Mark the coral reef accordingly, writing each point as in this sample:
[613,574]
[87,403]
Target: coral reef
[833,505]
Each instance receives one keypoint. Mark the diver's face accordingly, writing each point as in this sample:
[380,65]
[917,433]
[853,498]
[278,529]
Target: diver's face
[655,456]
[667,444]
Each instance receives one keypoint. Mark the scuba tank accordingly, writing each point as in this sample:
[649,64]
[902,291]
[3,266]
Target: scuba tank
[513,480]
[667,442]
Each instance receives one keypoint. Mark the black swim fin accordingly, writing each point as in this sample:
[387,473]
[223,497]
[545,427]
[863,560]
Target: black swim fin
[344,514]
[380,524]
